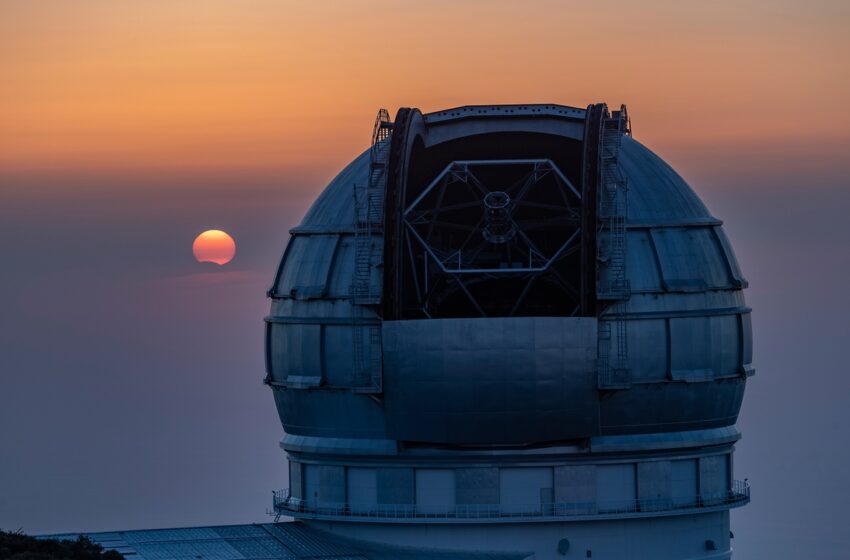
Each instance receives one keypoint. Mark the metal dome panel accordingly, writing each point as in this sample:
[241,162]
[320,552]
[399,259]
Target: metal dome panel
[510,380]
[657,194]
[334,208]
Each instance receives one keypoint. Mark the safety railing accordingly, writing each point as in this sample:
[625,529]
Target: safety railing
[285,504]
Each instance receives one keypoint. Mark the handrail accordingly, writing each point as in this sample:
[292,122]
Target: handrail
[285,504]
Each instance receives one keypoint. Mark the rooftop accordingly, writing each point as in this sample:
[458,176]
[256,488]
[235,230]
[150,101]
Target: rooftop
[285,541]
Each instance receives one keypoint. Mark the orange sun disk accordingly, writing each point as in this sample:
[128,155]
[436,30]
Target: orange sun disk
[214,246]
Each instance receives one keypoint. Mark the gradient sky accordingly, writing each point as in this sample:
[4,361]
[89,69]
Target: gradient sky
[130,375]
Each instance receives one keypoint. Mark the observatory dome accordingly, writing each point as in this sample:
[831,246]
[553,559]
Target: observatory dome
[511,314]
[685,324]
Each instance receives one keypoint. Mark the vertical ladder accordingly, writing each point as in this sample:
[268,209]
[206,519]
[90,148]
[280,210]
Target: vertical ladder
[613,285]
[369,225]
[369,214]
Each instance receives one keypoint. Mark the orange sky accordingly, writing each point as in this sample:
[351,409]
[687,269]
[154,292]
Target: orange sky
[265,85]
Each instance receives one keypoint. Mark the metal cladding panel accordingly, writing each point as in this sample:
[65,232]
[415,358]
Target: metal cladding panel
[731,259]
[335,414]
[672,407]
[313,346]
[657,194]
[320,266]
[331,485]
[342,272]
[576,485]
[642,266]
[295,351]
[747,340]
[524,490]
[362,488]
[435,490]
[477,486]
[616,487]
[655,486]
[691,259]
[703,348]
[396,486]
[648,350]
[306,266]
[312,481]
[714,481]
[337,355]
[684,482]
[490,380]
[296,479]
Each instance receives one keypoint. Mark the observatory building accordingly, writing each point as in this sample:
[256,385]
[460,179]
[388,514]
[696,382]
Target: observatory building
[511,329]
[503,332]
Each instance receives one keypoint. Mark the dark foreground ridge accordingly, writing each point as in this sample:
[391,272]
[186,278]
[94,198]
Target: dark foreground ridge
[18,546]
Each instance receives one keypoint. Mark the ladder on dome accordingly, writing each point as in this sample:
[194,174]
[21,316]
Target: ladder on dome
[369,213]
[368,224]
[613,285]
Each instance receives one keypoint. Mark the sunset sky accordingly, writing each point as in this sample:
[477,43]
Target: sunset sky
[270,86]
[130,375]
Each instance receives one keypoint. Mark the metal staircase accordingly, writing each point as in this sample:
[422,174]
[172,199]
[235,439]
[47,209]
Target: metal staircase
[368,254]
[613,285]
[369,214]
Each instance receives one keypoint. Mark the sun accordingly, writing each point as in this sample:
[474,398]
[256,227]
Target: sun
[214,246]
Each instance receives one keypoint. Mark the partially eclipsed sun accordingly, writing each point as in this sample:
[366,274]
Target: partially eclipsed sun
[214,246]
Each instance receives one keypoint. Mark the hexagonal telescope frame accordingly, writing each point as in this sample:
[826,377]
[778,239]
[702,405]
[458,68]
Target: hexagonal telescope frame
[495,238]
